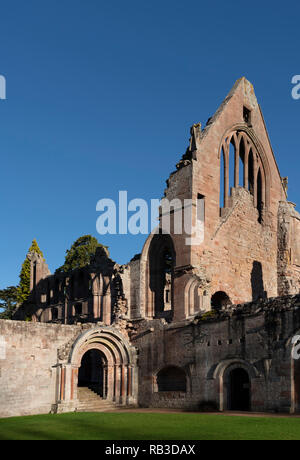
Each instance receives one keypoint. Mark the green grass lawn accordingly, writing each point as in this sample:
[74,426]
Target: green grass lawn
[148,426]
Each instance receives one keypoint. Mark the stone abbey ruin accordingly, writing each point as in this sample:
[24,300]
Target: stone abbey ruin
[209,326]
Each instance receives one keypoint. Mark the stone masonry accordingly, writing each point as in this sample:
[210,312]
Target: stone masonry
[203,321]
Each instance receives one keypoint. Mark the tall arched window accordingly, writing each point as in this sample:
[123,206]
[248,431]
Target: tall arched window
[242,166]
[232,150]
[161,270]
[222,181]
[259,199]
[251,172]
[242,163]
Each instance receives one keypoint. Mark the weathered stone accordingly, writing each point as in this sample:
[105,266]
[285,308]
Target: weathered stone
[205,323]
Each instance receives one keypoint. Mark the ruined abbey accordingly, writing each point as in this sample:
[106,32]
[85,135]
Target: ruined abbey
[205,326]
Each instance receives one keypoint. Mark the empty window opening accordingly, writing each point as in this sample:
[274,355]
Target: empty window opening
[247,115]
[251,173]
[168,296]
[161,264]
[220,301]
[231,165]
[242,164]
[259,196]
[81,285]
[222,180]
[171,379]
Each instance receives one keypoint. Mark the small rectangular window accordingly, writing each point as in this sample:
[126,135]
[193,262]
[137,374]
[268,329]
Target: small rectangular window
[247,115]
[167,296]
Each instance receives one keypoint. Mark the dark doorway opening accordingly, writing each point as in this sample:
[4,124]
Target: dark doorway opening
[92,372]
[239,390]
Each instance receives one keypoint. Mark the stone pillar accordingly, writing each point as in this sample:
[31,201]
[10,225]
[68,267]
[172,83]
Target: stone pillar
[110,372]
[66,389]
[106,309]
[124,384]
[74,382]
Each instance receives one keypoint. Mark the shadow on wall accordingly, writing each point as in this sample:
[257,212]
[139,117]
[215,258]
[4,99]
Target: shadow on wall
[257,282]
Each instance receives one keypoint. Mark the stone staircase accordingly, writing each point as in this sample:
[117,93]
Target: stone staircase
[90,401]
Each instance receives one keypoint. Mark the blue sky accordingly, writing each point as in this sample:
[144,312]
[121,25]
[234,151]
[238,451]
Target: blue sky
[101,96]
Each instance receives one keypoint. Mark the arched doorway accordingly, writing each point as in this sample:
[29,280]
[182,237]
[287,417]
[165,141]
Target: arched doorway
[238,390]
[100,356]
[92,372]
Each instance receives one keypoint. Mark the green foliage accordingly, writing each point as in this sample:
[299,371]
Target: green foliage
[208,315]
[35,248]
[80,253]
[13,296]
[8,302]
[24,286]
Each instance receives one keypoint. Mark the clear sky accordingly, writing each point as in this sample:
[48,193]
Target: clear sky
[101,96]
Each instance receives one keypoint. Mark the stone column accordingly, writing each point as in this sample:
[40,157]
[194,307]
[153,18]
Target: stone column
[67,393]
[107,309]
[96,306]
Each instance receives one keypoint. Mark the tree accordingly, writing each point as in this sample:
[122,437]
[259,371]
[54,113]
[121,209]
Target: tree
[24,286]
[8,302]
[80,253]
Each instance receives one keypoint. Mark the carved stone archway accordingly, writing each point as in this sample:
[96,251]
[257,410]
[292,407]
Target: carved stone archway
[120,368]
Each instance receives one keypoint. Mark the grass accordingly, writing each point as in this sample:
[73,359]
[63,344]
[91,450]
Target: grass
[148,426]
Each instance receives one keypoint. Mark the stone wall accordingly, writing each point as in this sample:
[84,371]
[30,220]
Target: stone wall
[28,360]
[288,249]
[255,337]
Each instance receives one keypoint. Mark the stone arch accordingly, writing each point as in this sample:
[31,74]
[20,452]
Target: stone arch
[150,271]
[120,366]
[220,300]
[162,261]
[221,372]
[246,143]
[192,297]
